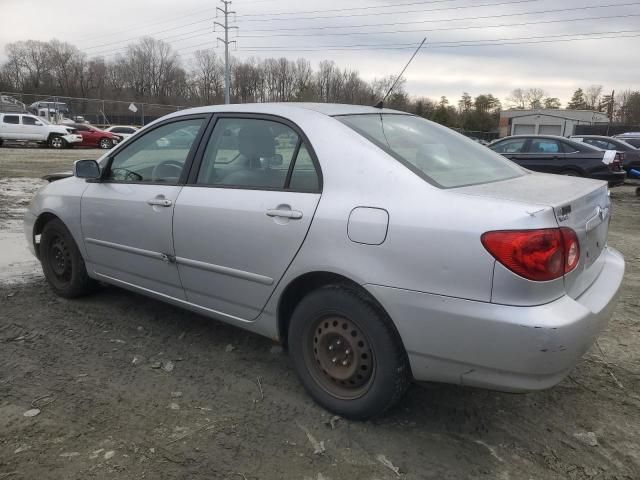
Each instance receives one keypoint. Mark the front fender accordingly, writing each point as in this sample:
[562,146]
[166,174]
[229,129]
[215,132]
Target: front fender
[61,199]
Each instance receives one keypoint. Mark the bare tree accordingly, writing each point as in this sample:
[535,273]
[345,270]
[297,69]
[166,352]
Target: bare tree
[517,98]
[533,97]
[592,96]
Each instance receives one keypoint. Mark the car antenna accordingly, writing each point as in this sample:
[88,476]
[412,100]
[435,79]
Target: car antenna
[380,104]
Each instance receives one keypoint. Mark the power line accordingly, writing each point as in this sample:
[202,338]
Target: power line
[392,5]
[431,44]
[112,52]
[397,13]
[173,19]
[471,45]
[208,29]
[457,43]
[542,22]
[475,17]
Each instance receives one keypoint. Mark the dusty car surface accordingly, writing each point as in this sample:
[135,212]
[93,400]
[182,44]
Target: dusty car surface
[377,246]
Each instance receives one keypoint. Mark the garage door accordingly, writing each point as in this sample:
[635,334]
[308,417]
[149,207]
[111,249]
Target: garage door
[550,130]
[524,129]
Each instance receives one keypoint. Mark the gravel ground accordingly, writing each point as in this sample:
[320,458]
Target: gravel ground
[129,387]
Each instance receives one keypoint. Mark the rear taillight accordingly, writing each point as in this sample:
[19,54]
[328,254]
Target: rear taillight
[618,160]
[540,255]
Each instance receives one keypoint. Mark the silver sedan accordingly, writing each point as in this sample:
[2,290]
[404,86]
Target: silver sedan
[377,246]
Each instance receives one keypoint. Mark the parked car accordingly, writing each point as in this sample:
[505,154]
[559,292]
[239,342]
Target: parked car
[121,131]
[632,138]
[553,154]
[630,155]
[9,104]
[29,128]
[376,245]
[59,107]
[94,137]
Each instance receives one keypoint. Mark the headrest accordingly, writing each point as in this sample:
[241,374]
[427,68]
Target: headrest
[256,141]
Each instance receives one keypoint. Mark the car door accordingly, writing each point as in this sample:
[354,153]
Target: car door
[127,216]
[244,214]
[11,127]
[512,148]
[543,155]
[34,129]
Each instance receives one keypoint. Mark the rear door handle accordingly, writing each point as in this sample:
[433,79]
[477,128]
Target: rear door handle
[160,202]
[292,214]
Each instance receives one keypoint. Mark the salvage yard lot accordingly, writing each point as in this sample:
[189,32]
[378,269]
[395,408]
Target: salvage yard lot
[129,387]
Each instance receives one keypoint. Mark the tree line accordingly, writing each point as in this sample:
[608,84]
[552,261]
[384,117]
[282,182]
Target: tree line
[150,70]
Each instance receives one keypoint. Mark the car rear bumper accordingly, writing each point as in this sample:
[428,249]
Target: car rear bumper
[613,178]
[501,347]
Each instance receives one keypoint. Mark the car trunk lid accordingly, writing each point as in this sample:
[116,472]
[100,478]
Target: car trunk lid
[580,204]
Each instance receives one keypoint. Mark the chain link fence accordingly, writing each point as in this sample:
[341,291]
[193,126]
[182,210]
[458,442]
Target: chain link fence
[98,112]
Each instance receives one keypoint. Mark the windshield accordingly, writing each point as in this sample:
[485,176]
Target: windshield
[438,154]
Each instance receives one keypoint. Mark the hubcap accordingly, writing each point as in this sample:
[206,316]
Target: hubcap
[342,359]
[57,142]
[60,259]
[104,143]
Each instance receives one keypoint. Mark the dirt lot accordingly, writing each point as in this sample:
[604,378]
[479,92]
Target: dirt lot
[132,388]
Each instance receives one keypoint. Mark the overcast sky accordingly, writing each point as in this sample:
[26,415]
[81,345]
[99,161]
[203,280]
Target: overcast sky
[558,67]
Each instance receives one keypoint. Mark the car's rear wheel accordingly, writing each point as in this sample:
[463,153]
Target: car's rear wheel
[105,143]
[347,353]
[62,262]
[57,142]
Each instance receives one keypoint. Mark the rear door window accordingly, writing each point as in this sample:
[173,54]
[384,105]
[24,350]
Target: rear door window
[256,153]
[26,120]
[11,119]
[545,145]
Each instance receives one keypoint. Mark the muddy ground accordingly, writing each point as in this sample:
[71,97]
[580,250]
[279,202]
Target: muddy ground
[130,388]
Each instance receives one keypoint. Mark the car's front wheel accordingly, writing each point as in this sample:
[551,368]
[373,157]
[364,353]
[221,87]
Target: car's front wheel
[105,143]
[347,353]
[62,262]
[57,142]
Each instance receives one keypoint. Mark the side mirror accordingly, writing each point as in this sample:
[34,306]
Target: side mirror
[88,169]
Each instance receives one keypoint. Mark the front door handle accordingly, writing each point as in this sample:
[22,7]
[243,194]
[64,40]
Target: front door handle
[292,214]
[160,202]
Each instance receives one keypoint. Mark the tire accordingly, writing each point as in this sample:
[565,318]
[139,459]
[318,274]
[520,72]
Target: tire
[62,262]
[57,142]
[347,353]
[105,143]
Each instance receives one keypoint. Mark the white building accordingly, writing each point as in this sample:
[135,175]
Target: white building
[547,121]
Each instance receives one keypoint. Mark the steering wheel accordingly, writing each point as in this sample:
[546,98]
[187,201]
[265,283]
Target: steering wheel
[169,169]
[127,175]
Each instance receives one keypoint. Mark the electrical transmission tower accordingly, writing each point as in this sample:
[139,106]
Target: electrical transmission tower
[227,77]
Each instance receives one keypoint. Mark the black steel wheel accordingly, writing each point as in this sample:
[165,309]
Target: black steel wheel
[62,262]
[347,353]
[339,357]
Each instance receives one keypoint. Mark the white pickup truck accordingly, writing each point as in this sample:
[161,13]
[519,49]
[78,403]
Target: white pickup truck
[29,128]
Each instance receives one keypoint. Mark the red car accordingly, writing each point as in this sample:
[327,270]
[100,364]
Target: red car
[94,137]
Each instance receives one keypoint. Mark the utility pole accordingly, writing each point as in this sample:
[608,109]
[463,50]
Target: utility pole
[227,77]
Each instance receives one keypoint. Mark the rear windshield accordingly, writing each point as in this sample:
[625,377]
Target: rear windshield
[438,154]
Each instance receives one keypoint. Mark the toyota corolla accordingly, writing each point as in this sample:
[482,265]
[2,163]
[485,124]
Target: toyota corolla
[377,246]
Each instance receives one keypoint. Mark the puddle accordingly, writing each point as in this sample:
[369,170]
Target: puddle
[17,264]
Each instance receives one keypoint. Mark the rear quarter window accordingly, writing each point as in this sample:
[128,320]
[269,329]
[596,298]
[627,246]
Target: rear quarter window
[439,155]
